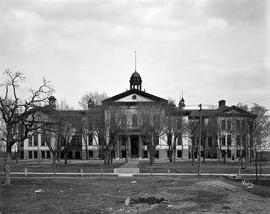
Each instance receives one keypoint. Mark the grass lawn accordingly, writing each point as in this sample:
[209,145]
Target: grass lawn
[108,195]
[208,167]
[75,166]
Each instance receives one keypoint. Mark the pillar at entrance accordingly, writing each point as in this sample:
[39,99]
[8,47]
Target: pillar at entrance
[128,148]
[117,156]
[140,147]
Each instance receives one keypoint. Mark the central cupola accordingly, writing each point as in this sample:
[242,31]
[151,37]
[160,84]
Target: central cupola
[135,81]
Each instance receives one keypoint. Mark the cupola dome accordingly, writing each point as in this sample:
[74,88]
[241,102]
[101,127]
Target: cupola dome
[135,81]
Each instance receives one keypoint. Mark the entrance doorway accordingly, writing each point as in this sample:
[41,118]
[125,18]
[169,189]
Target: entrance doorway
[134,142]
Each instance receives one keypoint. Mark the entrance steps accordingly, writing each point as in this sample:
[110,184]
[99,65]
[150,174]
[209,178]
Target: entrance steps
[126,172]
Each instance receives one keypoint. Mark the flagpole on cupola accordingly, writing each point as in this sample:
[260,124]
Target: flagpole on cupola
[135,61]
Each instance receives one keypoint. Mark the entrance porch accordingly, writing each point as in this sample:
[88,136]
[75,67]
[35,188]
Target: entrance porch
[130,146]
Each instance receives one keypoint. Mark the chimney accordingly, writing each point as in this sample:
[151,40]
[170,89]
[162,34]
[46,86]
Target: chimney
[52,101]
[221,103]
[90,103]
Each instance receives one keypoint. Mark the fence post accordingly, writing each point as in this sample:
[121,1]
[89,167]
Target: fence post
[25,171]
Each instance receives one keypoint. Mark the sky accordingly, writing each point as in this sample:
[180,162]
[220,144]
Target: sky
[210,50]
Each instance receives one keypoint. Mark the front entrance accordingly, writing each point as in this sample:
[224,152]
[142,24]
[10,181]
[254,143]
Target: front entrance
[134,142]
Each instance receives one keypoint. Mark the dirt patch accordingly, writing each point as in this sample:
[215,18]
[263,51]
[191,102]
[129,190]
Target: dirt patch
[148,200]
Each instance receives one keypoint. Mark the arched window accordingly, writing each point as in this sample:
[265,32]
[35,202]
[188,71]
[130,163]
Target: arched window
[223,125]
[237,125]
[229,125]
[134,120]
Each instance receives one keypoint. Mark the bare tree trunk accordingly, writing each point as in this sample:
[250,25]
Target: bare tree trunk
[203,149]
[192,154]
[66,153]
[170,153]
[106,157]
[86,151]
[174,151]
[7,165]
[58,155]
[261,154]
[151,150]
[54,161]
[126,152]
[18,152]
[250,155]
[256,166]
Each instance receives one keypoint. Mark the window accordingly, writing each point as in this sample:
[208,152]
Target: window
[229,153]
[229,140]
[22,155]
[223,140]
[113,154]
[210,141]
[90,139]
[223,125]
[238,140]
[43,154]
[223,152]
[145,154]
[77,155]
[43,140]
[157,154]
[229,125]
[30,155]
[70,155]
[238,125]
[144,142]
[168,153]
[179,141]
[123,154]
[30,141]
[123,140]
[90,154]
[244,124]
[35,139]
[243,139]
[48,154]
[62,154]
[78,140]
[35,154]
[134,120]
[179,153]
[206,121]
[238,153]
[156,139]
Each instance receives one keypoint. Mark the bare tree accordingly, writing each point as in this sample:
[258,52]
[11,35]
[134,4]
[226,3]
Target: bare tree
[193,133]
[106,125]
[259,131]
[50,136]
[174,129]
[152,124]
[19,114]
[95,98]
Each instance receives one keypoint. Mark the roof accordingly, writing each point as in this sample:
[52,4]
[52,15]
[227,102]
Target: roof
[224,111]
[132,91]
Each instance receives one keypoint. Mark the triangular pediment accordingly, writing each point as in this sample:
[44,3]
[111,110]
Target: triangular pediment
[134,98]
[232,112]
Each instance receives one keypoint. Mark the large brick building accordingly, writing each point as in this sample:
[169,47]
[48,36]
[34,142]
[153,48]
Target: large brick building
[223,132]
